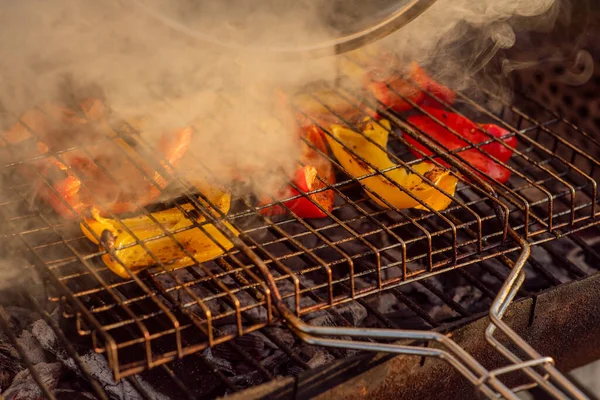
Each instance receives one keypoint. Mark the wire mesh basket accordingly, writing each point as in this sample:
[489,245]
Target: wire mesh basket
[286,268]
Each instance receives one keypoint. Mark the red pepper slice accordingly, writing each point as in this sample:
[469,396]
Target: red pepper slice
[304,207]
[390,91]
[129,189]
[467,129]
[306,180]
[67,187]
[58,127]
[441,92]
[503,153]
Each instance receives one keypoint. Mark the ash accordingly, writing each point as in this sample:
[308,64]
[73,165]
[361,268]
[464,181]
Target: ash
[57,370]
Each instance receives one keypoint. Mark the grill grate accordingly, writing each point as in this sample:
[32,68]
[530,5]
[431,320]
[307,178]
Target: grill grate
[209,379]
[160,315]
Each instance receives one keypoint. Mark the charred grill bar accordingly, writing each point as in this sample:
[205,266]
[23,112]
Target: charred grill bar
[215,328]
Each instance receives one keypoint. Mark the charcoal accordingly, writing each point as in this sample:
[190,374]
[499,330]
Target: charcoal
[320,358]
[7,351]
[220,363]
[394,272]
[589,257]
[252,378]
[420,294]
[544,258]
[258,313]
[169,281]
[285,287]
[216,269]
[21,318]
[25,387]
[323,320]
[268,344]
[406,319]
[580,258]
[284,335]
[70,394]
[294,370]
[441,313]
[275,360]
[354,312]
[329,320]
[384,302]
[373,322]
[95,363]
[9,365]
[196,377]
[489,280]
[8,318]
[185,298]
[32,347]
[469,297]
[165,280]
[251,344]
[306,352]
[361,283]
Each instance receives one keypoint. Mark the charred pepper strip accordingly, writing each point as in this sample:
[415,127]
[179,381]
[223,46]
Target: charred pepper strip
[304,207]
[60,128]
[392,90]
[466,129]
[354,145]
[203,244]
[307,180]
[119,197]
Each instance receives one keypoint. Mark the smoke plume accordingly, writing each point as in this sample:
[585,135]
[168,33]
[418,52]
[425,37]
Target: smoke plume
[145,69]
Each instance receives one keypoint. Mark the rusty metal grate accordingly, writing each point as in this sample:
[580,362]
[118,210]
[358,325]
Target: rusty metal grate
[210,380]
[162,315]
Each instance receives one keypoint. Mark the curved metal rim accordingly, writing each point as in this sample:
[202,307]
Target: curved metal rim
[344,44]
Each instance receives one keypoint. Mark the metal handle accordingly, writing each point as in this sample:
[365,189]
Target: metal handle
[377,29]
[486,381]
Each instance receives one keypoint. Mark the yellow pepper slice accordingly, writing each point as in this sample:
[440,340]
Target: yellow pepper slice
[383,184]
[203,244]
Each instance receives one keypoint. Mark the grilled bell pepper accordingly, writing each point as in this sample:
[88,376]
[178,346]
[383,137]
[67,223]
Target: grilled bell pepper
[390,90]
[123,194]
[355,147]
[304,207]
[501,152]
[465,128]
[306,180]
[59,128]
[194,239]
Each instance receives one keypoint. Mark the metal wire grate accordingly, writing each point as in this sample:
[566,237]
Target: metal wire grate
[210,380]
[162,315]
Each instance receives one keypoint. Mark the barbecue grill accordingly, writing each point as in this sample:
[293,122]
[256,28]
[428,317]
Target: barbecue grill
[305,304]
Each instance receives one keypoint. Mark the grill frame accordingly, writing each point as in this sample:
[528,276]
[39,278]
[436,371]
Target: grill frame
[85,317]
